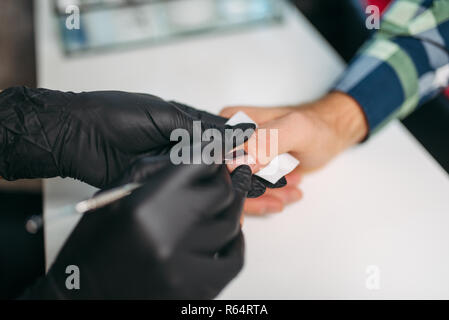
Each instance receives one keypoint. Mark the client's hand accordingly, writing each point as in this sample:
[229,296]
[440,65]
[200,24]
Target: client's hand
[314,133]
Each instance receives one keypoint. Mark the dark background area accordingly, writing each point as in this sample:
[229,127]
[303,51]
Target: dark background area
[18,64]
[22,254]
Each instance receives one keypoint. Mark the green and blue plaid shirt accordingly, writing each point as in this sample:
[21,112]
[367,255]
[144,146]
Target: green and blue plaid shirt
[405,63]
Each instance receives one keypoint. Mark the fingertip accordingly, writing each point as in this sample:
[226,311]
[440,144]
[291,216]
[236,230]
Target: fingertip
[286,195]
[263,205]
[293,178]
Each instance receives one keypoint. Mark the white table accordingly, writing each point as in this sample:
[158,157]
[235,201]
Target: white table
[383,205]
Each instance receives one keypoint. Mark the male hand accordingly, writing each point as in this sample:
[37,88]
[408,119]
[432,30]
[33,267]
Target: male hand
[314,133]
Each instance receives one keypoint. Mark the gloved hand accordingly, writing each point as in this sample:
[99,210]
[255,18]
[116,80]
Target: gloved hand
[90,136]
[177,237]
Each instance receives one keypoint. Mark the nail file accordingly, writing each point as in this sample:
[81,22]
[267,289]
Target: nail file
[280,166]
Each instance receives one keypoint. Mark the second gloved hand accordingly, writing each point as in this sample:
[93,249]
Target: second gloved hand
[177,237]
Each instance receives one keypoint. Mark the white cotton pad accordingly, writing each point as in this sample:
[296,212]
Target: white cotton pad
[280,166]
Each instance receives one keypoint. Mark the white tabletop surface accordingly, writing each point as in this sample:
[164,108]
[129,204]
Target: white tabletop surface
[382,207]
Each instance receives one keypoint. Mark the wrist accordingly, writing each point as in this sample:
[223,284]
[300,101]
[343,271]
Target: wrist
[344,116]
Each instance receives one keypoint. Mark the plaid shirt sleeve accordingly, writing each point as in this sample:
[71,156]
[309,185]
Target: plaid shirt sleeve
[404,64]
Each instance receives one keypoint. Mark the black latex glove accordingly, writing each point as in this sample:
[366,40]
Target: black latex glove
[90,136]
[177,237]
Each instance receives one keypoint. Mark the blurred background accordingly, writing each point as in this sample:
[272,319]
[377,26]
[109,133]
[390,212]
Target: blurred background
[136,23]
